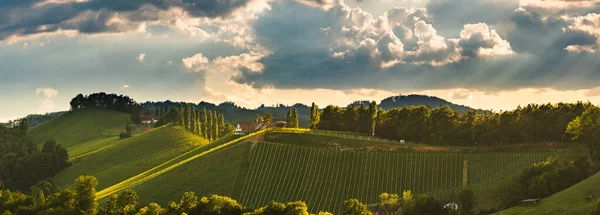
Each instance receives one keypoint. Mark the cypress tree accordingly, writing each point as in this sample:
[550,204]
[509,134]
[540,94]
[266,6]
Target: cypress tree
[186,117]
[314,116]
[181,119]
[295,118]
[289,118]
[371,118]
[221,124]
[216,125]
[203,123]
[193,121]
[209,127]
[155,111]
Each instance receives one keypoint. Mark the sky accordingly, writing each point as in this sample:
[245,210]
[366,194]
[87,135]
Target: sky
[488,54]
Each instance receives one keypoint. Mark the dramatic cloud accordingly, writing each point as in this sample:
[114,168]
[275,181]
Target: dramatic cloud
[34,17]
[197,62]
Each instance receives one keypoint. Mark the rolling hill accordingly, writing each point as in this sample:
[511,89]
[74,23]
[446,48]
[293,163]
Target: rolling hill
[292,166]
[76,127]
[573,200]
[127,158]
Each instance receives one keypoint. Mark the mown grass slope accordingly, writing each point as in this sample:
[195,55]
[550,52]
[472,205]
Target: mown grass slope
[324,171]
[77,127]
[573,200]
[132,156]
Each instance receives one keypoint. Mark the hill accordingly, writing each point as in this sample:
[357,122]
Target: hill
[127,158]
[339,168]
[76,127]
[237,114]
[570,201]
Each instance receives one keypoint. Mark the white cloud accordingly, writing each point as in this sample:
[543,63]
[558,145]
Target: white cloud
[48,94]
[197,62]
[125,86]
[140,58]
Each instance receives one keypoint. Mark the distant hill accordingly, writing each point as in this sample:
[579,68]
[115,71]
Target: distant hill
[415,100]
[234,114]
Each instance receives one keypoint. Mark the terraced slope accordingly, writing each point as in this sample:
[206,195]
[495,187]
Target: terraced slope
[80,126]
[132,156]
[570,201]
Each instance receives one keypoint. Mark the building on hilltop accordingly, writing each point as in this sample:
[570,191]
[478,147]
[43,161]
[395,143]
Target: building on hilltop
[148,119]
[280,124]
[245,128]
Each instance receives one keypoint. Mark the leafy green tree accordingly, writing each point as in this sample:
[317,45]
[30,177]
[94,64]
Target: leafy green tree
[389,203]
[267,118]
[355,207]
[586,128]
[216,204]
[508,193]
[85,189]
[23,126]
[408,203]
[135,114]
[215,128]
[289,118]
[466,201]
[151,209]
[314,116]
[350,119]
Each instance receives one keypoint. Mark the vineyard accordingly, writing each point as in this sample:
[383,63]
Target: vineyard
[325,178]
[257,172]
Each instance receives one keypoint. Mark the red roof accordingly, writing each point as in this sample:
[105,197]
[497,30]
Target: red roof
[146,117]
[247,126]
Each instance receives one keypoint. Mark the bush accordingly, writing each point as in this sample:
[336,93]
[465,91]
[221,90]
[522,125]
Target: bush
[124,135]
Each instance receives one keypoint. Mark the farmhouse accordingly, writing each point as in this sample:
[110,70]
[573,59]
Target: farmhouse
[245,128]
[280,124]
[148,119]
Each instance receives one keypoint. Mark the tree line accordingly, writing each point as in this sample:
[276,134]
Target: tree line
[208,124]
[23,164]
[105,101]
[445,126]
[81,199]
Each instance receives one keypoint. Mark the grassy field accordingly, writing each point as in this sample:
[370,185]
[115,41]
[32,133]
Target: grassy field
[324,171]
[570,201]
[77,127]
[127,158]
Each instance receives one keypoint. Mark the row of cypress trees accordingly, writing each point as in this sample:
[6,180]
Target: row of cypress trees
[208,124]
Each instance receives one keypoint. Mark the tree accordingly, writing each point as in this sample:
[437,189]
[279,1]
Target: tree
[295,119]
[204,123]
[216,204]
[23,126]
[389,202]
[156,113]
[221,125]
[586,128]
[210,128]
[127,199]
[181,120]
[407,202]
[193,120]
[85,189]
[186,117]
[508,193]
[289,118]
[355,207]
[314,116]
[215,121]
[267,118]
[466,201]
[372,115]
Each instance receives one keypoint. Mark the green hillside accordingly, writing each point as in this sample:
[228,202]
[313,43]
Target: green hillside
[127,158]
[573,200]
[76,127]
[328,170]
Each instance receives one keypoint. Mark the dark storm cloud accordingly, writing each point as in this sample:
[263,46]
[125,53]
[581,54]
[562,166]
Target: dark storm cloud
[25,17]
[301,60]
